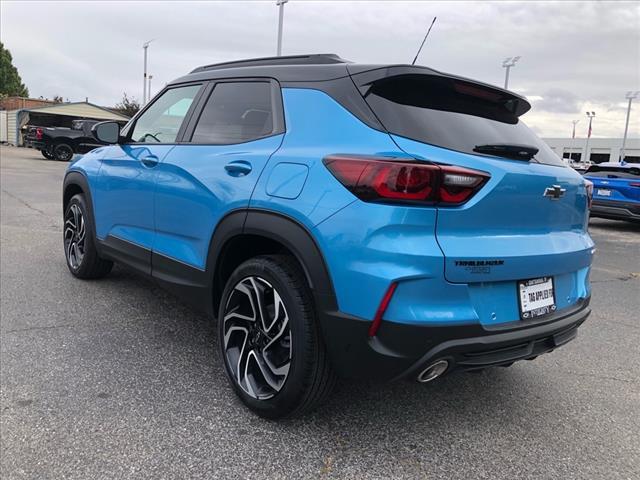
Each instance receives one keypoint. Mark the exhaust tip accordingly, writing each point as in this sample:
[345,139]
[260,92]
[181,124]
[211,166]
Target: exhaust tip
[433,371]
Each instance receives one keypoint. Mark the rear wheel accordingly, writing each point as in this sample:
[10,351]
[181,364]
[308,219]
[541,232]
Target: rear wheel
[80,250]
[269,339]
[46,154]
[63,152]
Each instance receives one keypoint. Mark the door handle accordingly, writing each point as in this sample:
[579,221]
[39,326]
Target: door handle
[149,161]
[238,168]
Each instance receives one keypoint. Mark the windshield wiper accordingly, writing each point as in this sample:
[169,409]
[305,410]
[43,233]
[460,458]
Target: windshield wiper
[506,150]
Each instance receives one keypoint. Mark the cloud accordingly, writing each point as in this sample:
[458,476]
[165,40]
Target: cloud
[574,54]
[558,100]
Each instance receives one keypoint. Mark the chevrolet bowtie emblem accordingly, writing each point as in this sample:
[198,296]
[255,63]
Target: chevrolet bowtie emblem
[554,192]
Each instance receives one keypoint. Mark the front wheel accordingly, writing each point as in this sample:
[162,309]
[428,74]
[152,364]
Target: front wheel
[269,338]
[79,241]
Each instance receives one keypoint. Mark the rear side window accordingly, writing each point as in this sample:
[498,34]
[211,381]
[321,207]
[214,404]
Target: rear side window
[236,112]
[452,114]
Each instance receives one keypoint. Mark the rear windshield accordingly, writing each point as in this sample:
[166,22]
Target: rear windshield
[613,172]
[452,114]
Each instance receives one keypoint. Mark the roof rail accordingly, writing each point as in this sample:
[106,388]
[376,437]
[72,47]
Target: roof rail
[312,59]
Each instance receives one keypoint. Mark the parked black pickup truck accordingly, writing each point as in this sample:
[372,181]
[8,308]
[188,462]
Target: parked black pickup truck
[61,143]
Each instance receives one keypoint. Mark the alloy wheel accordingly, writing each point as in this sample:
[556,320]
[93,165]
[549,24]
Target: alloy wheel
[257,338]
[74,236]
[64,153]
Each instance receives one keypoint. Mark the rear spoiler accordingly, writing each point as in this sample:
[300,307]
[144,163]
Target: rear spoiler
[365,76]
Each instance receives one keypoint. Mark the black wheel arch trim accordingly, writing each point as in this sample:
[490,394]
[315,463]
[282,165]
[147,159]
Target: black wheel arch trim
[280,228]
[78,179]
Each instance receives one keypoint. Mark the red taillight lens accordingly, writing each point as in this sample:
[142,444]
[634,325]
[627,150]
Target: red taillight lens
[589,187]
[634,184]
[38,134]
[385,179]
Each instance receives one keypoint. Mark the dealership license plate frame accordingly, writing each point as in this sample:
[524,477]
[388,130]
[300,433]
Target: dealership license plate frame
[533,285]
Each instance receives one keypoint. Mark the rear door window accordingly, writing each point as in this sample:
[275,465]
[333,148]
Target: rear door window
[451,113]
[236,112]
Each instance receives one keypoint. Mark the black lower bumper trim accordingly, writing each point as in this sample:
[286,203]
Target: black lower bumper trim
[400,350]
[616,210]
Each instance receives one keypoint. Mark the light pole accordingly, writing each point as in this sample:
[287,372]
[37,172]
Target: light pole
[280,4]
[573,139]
[508,63]
[591,115]
[145,47]
[630,96]
[149,90]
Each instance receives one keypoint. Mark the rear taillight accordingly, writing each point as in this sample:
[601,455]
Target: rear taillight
[589,187]
[634,184]
[385,179]
[38,134]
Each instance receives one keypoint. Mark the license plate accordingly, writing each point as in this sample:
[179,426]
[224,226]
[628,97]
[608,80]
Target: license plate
[603,192]
[536,297]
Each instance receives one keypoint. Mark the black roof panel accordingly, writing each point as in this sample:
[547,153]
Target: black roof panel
[317,68]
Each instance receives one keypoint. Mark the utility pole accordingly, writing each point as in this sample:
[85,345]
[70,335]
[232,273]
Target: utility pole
[145,47]
[280,4]
[508,63]
[591,115]
[573,139]
[630,96]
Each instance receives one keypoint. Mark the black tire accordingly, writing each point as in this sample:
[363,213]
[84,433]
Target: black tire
[46,154]
[63,152]
[79,242]
[309,379]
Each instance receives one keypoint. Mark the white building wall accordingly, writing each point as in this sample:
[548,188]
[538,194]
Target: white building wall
[609,146]
[3,126]
[12,131]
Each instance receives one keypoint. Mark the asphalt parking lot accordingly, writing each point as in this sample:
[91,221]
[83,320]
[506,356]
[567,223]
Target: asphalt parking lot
[118,379]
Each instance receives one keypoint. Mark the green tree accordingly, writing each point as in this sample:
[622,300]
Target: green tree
[10,81]
[128,106]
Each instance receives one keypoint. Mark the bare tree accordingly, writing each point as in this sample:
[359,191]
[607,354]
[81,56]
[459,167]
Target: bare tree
[127,106]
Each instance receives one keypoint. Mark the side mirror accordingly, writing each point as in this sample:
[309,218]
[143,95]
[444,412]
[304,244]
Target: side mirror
[106,132]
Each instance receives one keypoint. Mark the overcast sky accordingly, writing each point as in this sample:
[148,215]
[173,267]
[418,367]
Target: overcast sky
[575,56]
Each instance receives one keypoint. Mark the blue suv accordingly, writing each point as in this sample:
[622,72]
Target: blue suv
[340,220]
[616,190]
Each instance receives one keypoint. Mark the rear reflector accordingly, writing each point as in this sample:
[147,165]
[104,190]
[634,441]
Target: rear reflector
[377,320]
[387,179]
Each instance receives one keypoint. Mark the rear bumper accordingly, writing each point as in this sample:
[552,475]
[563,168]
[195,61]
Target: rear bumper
[615,210]
[403,351]
[34,144]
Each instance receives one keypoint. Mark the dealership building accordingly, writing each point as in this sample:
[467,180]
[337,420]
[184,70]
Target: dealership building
[599,149]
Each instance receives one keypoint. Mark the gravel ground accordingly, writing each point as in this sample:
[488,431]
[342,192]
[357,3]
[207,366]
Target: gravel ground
[118,379]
